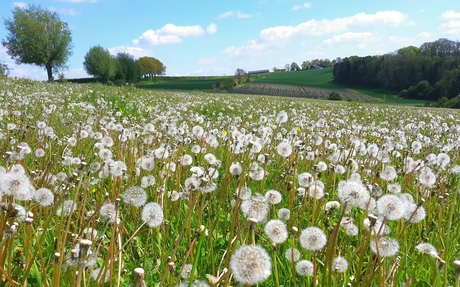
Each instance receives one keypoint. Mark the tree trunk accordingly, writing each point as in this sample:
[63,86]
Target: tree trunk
[49,71]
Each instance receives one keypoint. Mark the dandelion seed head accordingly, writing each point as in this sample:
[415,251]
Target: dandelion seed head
[313,238]
[354,194]
[44,196]
[186,160]
[276,231]
[235,168]
[39,152]
[255,207]
[339,264]
[304,268]
[391,207]
[394,188]
[388,173]
[384,246]
[135,196]
[292,254]
[284,214]
[250,264]
[16,184]
[284,149]
[109,213]
[67,207]
[273,196]
[305,179]
[152,214]
[147,181]
[244,192]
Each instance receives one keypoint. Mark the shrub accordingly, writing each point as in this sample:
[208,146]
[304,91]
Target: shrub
[334,96]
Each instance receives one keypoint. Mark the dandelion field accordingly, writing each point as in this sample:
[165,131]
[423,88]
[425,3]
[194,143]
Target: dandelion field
[117,186]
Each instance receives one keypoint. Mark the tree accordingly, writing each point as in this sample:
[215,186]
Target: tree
[241,76]
[152,66]
[287,67]
[37,36]
[129,70]
[99,63]
[4,70]
[305,65]
[295,67]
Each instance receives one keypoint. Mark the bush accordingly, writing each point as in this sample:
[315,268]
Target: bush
[225,84]
[334,96]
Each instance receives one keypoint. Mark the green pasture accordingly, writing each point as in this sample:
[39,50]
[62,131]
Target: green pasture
[181,83]
[319,78]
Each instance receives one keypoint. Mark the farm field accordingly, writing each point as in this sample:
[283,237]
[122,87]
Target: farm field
[288,84]
[119,186]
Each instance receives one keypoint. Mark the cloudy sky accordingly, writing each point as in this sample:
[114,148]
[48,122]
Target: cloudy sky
[211,37]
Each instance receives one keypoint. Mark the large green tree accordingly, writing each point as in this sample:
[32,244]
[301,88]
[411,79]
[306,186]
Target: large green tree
[37,36]
[129,69]
[152,66]
[99,63]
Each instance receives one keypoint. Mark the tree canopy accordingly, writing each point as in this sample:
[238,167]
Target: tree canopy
[99,63]
[429,72]
[37,36]
[152,66]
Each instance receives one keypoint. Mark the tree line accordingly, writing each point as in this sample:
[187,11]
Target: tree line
[428,72]
[308,65]
[122,68]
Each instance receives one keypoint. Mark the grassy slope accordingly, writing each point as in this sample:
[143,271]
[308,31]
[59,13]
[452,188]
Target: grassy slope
[323,79]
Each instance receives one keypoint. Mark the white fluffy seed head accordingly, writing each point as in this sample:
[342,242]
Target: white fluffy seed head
[250,264]
[276,231]
[313,238]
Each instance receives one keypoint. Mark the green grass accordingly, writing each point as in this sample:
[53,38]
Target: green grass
[312,78]
[182,83]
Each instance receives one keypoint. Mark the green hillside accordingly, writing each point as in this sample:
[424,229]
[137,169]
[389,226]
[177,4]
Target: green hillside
[319,78]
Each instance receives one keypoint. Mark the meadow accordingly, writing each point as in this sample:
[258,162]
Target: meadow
[119,186]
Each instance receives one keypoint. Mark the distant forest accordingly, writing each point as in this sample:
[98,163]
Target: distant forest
[429,72]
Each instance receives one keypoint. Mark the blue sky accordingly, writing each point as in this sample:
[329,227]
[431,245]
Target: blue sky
[210,37]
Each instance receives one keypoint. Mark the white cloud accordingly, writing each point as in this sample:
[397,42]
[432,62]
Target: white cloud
[251,48]
[349,38]
[451,25]
[64,11]
[234,13]
[78,1]
[207,61]
[450,15]
[410,41]
[313,27]
[281,35]
[303,6]
[135,51]
[211,29]
[168,34]
[21,5]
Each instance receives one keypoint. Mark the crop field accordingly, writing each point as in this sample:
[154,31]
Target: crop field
[119,186]
[281,90]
